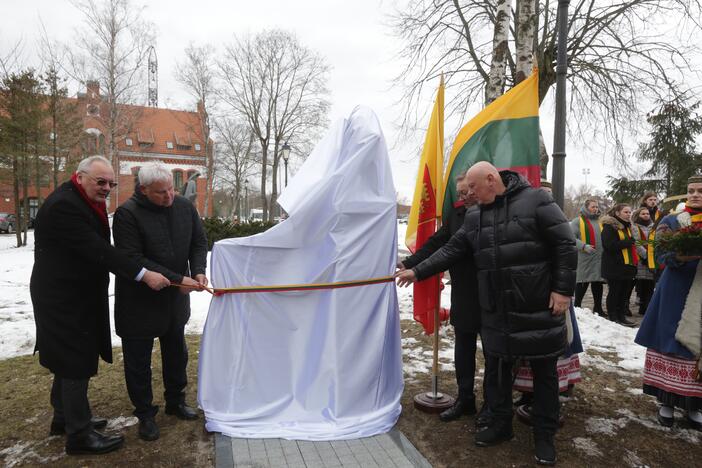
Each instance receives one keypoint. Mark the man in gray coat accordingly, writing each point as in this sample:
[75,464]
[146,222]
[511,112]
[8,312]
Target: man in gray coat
[163,231]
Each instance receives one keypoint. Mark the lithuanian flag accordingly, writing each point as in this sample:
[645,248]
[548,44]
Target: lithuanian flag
[426,204]
[505,133]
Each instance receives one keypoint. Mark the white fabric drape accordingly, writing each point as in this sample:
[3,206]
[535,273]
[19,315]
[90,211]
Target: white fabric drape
[311,365]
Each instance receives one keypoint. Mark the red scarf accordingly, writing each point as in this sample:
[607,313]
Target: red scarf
[99,207]
[693,211]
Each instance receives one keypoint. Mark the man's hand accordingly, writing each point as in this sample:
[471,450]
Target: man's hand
[558,303]
[405,277]
[194,285]
[202,279]
[155,281]
[400,266]
[588,249]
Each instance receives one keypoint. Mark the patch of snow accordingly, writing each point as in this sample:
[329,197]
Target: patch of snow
[587,446]
[120,422]
[633,460]
[23,453]
[605,425]
[650,421]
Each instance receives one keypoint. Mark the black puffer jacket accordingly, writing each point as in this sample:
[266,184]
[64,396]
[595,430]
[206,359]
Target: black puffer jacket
[613,266]
[465,309]
[170,241]
[524,249]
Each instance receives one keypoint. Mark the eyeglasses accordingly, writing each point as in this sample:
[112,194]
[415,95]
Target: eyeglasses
[102,182]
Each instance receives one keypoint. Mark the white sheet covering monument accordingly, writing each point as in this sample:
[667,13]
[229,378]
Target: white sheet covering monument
[311,365]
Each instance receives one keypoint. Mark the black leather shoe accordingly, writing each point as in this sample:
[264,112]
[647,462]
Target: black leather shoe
[525,399]
[148,430]
[59,428]
[92,442]
[182,411]
[459,408]
[626,323]
[694,424]
[493,435]
[544,450]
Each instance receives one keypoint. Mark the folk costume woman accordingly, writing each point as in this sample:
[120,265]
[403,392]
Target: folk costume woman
[619,261]
[672,329]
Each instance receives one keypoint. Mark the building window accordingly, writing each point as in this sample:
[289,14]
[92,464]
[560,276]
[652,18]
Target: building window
[144,145]
[182,147]
[197,146]
[92,109]
[169,144]
[128,141]
[177,179]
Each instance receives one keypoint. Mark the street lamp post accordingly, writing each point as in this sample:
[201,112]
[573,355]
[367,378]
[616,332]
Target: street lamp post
[285,151]
[246,199]
[586,172]
[559,138]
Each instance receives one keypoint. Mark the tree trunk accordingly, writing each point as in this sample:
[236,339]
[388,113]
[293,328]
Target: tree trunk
[264,166]
[525,30]
[500,48]
[543,156]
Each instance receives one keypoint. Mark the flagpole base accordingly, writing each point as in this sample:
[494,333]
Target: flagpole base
[426,402]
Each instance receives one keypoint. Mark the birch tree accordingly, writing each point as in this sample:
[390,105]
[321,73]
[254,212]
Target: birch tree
[278,87]
[495,85]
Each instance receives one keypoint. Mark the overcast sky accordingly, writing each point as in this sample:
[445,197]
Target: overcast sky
[352,35]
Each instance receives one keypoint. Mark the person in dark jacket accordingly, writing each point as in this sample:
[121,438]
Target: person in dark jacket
[72,260]
[524,251]
[465,309]
[164,231]
[619,260]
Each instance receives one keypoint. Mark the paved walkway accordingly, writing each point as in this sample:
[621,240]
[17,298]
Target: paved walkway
[381,451]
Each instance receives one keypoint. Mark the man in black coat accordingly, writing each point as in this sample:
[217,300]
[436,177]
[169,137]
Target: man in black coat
[524,250]
[72,261]
[164,231]
[465,309]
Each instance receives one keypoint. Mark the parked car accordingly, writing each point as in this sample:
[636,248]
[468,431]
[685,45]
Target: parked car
[8,222]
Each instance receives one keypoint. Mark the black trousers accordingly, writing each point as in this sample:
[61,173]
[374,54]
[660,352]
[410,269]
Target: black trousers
[545,406]
[619,292]
[137,370]
[596,287]
[645,288]
[464,360]
[69,398]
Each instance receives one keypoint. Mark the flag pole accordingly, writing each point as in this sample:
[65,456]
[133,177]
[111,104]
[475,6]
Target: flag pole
[435,401]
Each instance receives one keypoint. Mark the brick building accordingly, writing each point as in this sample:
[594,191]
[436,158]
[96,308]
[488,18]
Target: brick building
[171,136]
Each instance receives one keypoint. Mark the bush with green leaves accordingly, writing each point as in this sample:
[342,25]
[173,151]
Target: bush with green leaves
[218,229]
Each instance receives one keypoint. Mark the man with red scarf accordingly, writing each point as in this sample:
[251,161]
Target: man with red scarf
[72,260]
[671,330]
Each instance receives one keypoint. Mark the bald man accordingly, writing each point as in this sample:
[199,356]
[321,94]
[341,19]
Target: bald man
[524,251]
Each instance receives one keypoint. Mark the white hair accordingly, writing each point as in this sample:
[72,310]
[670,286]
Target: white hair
[154,172]
[85,164]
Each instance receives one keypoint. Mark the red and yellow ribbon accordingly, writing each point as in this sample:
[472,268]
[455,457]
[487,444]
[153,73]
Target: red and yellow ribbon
[292,287]
[628,253]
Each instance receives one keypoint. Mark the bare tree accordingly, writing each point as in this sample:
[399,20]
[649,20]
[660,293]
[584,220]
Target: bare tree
[278,86]
[112,48]
[496,78]
[236,158]
[197,76]
[618,59]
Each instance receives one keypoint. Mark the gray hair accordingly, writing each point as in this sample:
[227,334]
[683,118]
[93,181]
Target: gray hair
[86,163]
[154,172]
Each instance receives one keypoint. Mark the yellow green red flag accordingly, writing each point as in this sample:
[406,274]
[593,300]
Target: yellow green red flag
[505,133]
